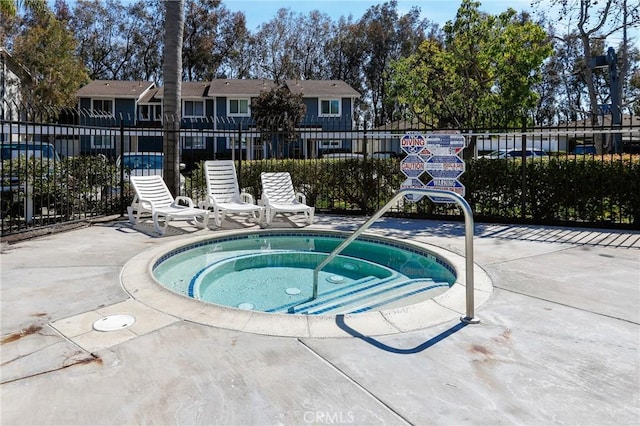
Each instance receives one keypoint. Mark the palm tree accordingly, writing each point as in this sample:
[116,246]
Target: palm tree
[172,78]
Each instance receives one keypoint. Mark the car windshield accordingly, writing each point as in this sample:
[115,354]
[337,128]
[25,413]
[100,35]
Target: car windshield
[30,151]
[142,161]
[496,154]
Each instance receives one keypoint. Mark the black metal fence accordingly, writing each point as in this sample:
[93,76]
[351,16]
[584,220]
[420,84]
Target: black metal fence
[74,166]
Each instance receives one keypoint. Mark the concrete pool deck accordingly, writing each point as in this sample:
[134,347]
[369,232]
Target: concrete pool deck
[558,341]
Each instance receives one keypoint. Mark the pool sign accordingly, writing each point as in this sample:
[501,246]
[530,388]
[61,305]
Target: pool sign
[412,166]
[440,150]
[412,143]
[445,166]
[448,140]
[452,185]
[413,184]
[438,154]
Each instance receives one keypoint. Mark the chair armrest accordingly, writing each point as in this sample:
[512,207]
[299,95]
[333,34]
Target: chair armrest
[247,198]
[301,197]
[209,202]
[187,200]
[143,203]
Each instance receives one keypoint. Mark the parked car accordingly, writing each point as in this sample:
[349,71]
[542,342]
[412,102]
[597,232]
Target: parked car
[145,164]
[584,150]
[384,155]
[515,153]
[342,156]
[28,149]
[11,153]
[22,164]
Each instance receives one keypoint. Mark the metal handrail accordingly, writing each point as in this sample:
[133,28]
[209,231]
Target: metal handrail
[468,222]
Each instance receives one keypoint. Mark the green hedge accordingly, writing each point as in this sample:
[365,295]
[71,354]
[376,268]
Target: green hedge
[594,190]
[564,189]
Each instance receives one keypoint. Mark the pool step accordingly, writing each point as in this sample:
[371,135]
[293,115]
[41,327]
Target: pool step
[410,288]
[367,297]
[333,294]
[376,296]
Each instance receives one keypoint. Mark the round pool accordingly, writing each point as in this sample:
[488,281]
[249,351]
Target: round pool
[261,281]
[273,272]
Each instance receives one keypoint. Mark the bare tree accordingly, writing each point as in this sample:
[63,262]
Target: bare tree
[591,22]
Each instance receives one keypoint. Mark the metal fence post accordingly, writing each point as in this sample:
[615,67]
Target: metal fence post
[121,168]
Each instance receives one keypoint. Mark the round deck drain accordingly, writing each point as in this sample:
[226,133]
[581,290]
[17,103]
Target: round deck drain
[246,306]
[113,322]
[292,291]
[335,279]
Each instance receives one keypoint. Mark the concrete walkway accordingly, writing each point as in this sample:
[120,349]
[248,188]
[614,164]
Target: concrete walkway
[558,341]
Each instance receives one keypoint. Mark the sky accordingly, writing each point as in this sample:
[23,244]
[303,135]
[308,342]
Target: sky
[438,11]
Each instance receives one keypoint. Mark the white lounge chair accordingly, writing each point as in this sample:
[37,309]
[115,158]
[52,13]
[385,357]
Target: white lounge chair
[223,195]
[153,196]
[278,196]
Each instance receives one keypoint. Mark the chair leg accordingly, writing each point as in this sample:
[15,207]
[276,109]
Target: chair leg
[205,220]
[310,214]
[132,218]
[267,215]
[156,223]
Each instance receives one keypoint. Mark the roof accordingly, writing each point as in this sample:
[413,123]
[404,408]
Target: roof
[15,67]
[147,92]
[244,87]
[115,89]
[193,89]
[152,96]
[321,88]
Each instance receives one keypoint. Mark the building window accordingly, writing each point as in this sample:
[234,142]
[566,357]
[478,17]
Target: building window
[233,142]
[330,144]
[102,106]
[193,109]
[193,142]
[150,112]
[329,107]
[102,142]
[239,107]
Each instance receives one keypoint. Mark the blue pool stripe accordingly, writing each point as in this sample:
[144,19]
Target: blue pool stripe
[399,297]
[367,296]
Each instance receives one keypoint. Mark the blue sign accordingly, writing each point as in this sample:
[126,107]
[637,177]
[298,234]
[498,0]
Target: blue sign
[437,154]
[446,140]
[445,166]
[452,185]
[412,143]
[414,184]
[412,166]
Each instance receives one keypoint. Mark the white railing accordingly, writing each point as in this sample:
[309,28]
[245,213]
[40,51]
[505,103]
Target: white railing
[468,238]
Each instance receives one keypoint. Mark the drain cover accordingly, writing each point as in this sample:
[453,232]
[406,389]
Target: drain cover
[335,279]
[292,290]
[246,306]
[113,322]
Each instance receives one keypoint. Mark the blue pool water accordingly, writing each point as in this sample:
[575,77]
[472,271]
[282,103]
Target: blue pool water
[273,272]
